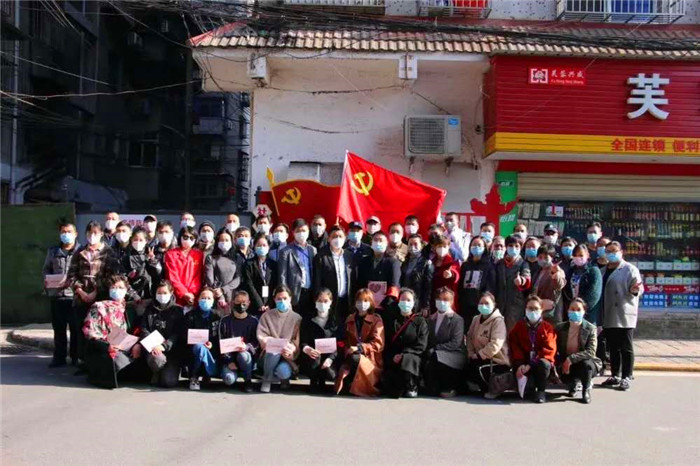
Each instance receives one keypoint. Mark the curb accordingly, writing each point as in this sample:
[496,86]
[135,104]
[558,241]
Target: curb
[17,337]
[667,367]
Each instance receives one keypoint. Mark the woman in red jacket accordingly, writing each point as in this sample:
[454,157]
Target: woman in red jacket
[533,345]
[446,269]
[184,266]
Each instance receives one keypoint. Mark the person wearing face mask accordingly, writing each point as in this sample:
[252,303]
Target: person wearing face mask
[373,226]
[417,274]
[263,224]
[594,231]
[121,240]
[102,360]
[156,255]
[187,220]
[532,245]
[602,260]
[280,235]
[203,356]
[567,250]
[333,268]
[260,277]
[477,276]
[584,281]
[411,227]
[498,249]
[207,238]
[551,236]
[164,316]
[533,345]
[576,351]
[512,280]
[110,227]
[487,232]
[406,341]
[296,268]
[459,239]
[89,269]
[320,368]
[354,243]
[233,222]
[380,272]
[241,250]
[282,323]
[446,268]
[221,273]
[150,224]
[487,347]
[622,288]
[135,266]
[396,247]
[318,237]
[549,283]
[239,324]
[362,364]
[435,232]
[446,355]
[57,262]
[520,232]
[184,267]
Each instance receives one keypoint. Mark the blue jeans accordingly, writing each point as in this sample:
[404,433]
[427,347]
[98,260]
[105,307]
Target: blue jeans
[276,367]
[244,361]
[202,357]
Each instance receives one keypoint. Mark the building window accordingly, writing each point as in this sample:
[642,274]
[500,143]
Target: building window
[144,152]
[326,173]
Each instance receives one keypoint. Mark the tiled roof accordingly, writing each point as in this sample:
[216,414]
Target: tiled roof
[515,40]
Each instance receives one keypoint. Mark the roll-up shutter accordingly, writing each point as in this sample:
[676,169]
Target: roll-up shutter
[558,186]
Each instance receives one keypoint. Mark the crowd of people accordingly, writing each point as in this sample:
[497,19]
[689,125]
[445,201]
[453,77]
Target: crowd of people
[367,309]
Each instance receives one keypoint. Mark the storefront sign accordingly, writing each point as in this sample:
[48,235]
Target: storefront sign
[561,76]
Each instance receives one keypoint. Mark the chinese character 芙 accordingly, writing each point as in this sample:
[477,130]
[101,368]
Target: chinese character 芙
[630,144]
[648,94]
[678,145]
[616,145]
[659,145]
[645,145]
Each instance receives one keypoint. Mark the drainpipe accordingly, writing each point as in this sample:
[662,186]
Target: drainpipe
[15,114]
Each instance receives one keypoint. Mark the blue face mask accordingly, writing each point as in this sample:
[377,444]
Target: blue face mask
[513,252]
[206,304]
[378,247]
[67,238]
[485,309]
[498,254]
[530,252]
[575,316]
[567,250]
[533,316]
[282,305]
[443,306]
[477,251]
[487,235]
[261,251]
[355,236]
[601,251]
[592,237]
[613,257]
[406,307]
[117,294]
[242,241]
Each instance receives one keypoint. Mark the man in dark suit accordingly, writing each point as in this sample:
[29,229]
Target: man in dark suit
[295,267]
[318,237]
[380,271]
[333,269]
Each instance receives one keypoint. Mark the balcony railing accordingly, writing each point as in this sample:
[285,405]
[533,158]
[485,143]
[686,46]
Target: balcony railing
[469,8]
[621,11]
[359,6]
[209,125]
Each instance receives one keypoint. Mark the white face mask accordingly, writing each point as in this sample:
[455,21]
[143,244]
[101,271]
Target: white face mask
[224,246]
[318,230]
[207,236]
[323,308]
[411,229]
[373,228]
[338,242]
[122,237]
[163,298]
[441,252]
[415,250]
[150,226]
[395,238]
[188,243]
[264,228]
[301,236]
[165,238]
[362,307]
[139,245]
[111,224]
[280,237]
[94,239]
[187,223]
[232,227]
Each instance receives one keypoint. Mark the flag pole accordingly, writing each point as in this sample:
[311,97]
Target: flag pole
[271,180]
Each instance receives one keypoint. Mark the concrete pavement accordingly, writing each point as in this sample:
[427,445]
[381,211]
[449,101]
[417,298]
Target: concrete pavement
[51,417]
[653,355]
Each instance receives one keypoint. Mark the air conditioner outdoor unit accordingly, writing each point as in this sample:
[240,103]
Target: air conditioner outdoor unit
[433,136]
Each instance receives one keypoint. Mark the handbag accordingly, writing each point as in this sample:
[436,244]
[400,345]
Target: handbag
[499,383]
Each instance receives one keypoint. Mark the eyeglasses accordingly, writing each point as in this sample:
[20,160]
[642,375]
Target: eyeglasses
[187,237]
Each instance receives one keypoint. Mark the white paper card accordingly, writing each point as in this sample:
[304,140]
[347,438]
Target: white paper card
[122,340]
[265,292]
[229,345]
[195,336]
[326,345]
[152,340]
[378,290]
[53,281]
[522,383]
[275,345]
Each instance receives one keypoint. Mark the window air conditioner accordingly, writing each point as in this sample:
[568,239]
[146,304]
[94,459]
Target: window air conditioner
[433,136]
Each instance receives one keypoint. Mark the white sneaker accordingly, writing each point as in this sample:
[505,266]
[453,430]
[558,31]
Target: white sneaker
[265,387]
[194,384]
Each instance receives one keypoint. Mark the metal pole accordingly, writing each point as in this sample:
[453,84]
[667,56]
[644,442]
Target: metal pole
[15,116]
[188,129]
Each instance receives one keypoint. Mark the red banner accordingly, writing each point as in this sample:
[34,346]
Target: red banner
[303,199]
[368,189]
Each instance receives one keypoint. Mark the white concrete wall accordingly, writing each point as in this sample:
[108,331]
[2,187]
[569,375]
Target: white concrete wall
[361,108]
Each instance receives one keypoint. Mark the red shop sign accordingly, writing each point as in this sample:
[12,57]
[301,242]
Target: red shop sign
[557,75]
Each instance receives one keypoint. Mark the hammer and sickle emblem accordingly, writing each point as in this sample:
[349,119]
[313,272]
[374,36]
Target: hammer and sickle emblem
[361,186]
[292,196]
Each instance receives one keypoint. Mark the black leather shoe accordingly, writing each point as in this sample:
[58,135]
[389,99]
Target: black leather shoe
[540,397]
[586,397]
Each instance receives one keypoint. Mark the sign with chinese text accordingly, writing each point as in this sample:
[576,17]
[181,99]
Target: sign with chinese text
[560,76]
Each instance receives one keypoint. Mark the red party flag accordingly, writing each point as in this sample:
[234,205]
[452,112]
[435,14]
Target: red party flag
[368,189]
[303,199]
